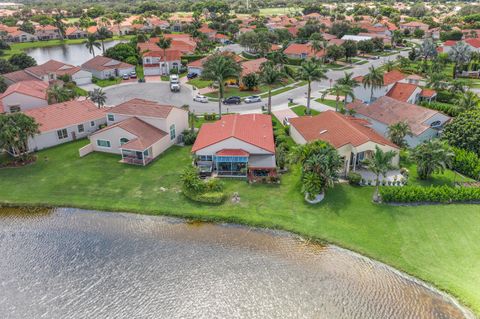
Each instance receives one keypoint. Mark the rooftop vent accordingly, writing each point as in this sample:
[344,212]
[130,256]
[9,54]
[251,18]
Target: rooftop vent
[323,131]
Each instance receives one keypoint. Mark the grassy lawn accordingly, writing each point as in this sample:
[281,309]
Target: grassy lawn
[278,11]
[328,102]
[80,91]
[438,244]
[107,82]
[199,83]
[301,109]
[262,90]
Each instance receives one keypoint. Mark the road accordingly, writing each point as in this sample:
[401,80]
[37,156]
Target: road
[159,91]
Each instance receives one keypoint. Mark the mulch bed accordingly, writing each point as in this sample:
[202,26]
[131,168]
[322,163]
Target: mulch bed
[15,163]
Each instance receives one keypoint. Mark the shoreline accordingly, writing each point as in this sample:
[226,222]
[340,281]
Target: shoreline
[237,222]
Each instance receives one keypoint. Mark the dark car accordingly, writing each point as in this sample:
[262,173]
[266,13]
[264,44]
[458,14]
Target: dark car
[191,75]
[232,100]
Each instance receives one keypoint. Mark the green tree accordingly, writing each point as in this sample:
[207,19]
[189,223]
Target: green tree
[270,75]
[379,164]
[15,130]
[350,83]
[3,84]
[102,34]
[22,60]
[219,67]
[58,94]
[464,131]
[335,52]
[250,81]
[389,65]
[374,79]
[98,97]
[91,43]
[58,23]
[164,43]
[7,67]
[467,101]
[365,46]
[460,55]
[350,47]
[397,133]
[339,90]
[311,70]
[433,156]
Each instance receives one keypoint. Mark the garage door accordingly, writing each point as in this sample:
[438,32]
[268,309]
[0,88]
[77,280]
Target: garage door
[83,80]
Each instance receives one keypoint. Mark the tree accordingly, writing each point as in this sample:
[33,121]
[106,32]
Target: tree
[418,33]
[311,70]
[365,46]
[122,52]
[102,34]
[428,49]
[164,43]
[3,84]
[378,44]
[270,75]
[27,27]
[15,130]
[397,133]
[379,164]
[436,81]
[374,79]
[457,86]
[22,60]
[91,43]
[58,23]
[350,47]
[58,94]
[250,81]
[335,52]
[118,19]
[339,90]
[433,156]
[339,29]
[464,131]
[389,65]
[467,101]
[6,67]
[219,67]
[98,97]
[460,55]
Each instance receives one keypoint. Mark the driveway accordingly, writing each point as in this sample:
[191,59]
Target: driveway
[282,114]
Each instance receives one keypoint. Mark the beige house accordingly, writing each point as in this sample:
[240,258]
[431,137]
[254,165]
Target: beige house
[354,140]
[24,95]
[139,130]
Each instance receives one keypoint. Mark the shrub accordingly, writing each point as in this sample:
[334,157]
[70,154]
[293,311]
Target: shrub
[354,178]
[189,137]
[209,198]
[294,61]
[432,194]
[210,191]
[445,96]
[466,163]
[446,108]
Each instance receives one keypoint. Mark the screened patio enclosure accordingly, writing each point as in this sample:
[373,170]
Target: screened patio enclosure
[231,165]
[136,157]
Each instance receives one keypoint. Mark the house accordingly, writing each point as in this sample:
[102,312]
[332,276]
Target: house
[210,33]
[252,66]
[47,32]
[197,65]
[414,25]
[237,145]
[102,67]
[405,92]
[161,62]
[302,51]
[353,138]
[221,38]
[64,122]
[75,33]
[363,93]
[472,43]
[50,71]
[385,111]
[24,95]
[20,36]
[139,131]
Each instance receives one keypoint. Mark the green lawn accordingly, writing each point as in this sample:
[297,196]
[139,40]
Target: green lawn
[80,91]
[262,90]
[328,102]
[107,82]
[438,244]
[300,110]
[278,11]
[199,83]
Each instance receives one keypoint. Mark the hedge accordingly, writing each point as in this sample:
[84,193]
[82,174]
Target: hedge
[432,194]
[294,61]
[446,108]
[209,198]
[193,57]
[466,163]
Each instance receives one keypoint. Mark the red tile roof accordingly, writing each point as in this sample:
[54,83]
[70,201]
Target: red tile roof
[252,66]
[300,48]
[32,88]
[100,63]
[428,93]
[337,129]
[402,91]
[52,66]
[18,76]
[449,43]
[62,115]
[388,78]
[140,107]
[474,42]
[255,129]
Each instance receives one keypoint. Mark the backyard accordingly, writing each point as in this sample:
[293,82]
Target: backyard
[438,244]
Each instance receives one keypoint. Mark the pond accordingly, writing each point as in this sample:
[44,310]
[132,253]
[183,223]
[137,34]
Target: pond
[75,54]
[71,263]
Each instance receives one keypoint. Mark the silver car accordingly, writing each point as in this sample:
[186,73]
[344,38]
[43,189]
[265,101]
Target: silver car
[200,98]
[253,99]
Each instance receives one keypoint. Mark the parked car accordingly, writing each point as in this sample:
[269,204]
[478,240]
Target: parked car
[133,75]
[252,99]
[192,75]
[200,98]
[286,121]
[126,76]
[232,100]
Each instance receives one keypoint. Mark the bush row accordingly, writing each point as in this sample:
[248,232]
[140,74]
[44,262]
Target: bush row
[446,108]
[209,198]
[432,194]
[466,163]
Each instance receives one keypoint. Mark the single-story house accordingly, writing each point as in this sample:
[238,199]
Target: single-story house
[411,93]
[139,130]
[20,36]
[353,138]
[237,145]
[102,67]
[197,65]
[414,25]
[64,122]
[75,33]
[363,93]
[23,96]
[302,51]
[424,123]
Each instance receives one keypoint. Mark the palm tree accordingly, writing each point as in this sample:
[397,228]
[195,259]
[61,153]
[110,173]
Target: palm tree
[428,49]
[433,156]
[164,43]
[460,54]
[102,34]
[317,46]
[58,94]
[311,70]
[98,97]
[58,23]
[339,90]
[16,130]
[457,86]
[397,133]
[350,82]
[379,164]
[374,79]
[219,68]
[389,65]
[436,81]
[467,101]
[92,43]
[270,75]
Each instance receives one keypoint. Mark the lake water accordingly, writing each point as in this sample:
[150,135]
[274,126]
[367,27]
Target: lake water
[70,263]
[75,54]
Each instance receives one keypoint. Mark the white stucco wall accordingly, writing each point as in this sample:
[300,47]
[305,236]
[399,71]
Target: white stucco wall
[82,77]
[25,102]
[363,94]
[112,135]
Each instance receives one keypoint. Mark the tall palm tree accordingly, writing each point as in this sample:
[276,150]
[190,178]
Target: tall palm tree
[317,46]
[58,94]
[457,86]
[270,75]
[102,34]
[460,54]
[98,97]
[389,65]
[397,133]
[348,81]
[339,90]
[379,164]
[311,70]
[218,68]
[433,156]
[92,43]
[164,43]
[374,79]
[436,81]
[467,101]
[16,130]
[58,23]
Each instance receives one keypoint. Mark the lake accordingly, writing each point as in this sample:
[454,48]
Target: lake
[72,263]
[75,54]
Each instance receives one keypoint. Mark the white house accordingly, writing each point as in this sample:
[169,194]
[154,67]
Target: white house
[160,63]
[424,123]
[23,96]
[102,67]
[139,130]
[363,93]
[64,122]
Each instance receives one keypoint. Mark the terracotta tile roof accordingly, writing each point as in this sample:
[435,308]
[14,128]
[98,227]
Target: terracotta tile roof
[293,31]
[171,55]
[336,42]
[199,63]
[140,107]
[62,115]
[34,88]
[402,91]
[252,66]
[232,152]
[220,36]
[428,93]
[337,129]
[46,28]
[474,42]
[449,43]
[92,29]
[18,76]
[101,63]
[328,36]
[255,129]
[390,111]
[414,24]
[206,29]
[300,48]
[52,66]
[388,78]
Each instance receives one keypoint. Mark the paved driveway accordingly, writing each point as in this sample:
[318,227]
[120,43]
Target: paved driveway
[282,114]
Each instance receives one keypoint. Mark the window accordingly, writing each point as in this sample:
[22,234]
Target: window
[103,143]
[111,117]
[436,124]
[81,128]
[92,123]
[204,157]
[123,140]
[15,108]
[62,134]
[172,131]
